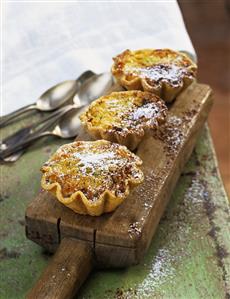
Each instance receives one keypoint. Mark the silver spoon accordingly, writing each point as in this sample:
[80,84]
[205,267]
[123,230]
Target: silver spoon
[67,127]
[50,100]
[25,132]
[91,89]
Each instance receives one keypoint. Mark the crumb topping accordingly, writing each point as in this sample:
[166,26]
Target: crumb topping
[126,112]
[155,66]
[162,72]
[92,167]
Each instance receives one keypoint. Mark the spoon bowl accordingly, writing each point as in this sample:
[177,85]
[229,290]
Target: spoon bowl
[67,127]
[53,98]
[57,95]
[69,124]
[93,88]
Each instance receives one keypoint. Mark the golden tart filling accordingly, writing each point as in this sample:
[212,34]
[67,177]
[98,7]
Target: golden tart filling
[162,71]
[91,177]
[124,117]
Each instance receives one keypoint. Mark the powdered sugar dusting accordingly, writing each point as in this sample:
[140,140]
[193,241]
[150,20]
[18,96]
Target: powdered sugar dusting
[171,73]
[171,133]
[93,167]
[160,271]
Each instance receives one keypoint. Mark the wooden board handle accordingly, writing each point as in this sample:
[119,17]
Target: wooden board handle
[66,272]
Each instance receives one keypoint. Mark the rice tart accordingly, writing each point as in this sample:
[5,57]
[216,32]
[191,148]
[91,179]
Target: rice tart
[124,117]
[92,177]
[162,71]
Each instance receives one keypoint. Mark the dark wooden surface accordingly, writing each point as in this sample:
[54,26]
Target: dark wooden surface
[66,271]
[121,238]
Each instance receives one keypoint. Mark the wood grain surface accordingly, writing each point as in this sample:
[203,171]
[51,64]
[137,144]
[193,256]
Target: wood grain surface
[121,238]
[188,257]
[65,273]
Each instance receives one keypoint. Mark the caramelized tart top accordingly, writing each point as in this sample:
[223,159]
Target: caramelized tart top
[148,69]
[91,168]
[125,113]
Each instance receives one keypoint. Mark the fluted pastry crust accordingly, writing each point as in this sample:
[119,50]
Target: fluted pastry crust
[124,117]
[161,71]
[92,177]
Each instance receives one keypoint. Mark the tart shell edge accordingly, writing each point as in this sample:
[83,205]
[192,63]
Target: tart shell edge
[164,90]
[79,203]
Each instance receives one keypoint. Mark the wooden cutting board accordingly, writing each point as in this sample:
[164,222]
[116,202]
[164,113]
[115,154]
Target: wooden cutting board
[120,238]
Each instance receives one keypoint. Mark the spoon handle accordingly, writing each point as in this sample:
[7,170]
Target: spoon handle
[26,132]
[5,119]
[23,144]
[33,137]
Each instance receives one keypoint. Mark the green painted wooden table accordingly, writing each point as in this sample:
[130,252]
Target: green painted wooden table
[189,256]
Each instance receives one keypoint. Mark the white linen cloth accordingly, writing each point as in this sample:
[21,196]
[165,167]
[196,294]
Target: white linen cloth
[48,42]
